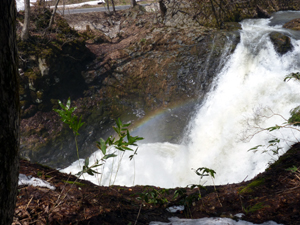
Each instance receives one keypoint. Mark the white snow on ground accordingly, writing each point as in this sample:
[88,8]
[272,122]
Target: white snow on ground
[20,4]
[81,4]
[208,221]
[28,180]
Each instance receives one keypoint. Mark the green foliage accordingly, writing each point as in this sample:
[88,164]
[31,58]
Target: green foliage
[39,173]
[74,182]
[256,207]
[66,116]
[89,169]
[295,113]
[292,76]
[250,186]
[204,171]
[187,200]
[295,116]
[154,196]
[293,169]
[123,142]
[273,146]
[276,127]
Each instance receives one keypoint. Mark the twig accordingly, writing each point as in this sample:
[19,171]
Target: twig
[29,203]
[138,214]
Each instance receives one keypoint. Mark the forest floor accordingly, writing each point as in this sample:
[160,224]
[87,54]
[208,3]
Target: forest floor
[272,195]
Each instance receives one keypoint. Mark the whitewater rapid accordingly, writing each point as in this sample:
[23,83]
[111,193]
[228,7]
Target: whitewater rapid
[248,89]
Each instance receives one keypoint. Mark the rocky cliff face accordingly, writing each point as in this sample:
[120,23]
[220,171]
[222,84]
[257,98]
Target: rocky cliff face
[50,65]
[214,13]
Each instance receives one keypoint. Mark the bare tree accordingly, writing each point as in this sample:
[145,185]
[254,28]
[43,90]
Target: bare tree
[133,3]
[9,112]
[162,8]
[53,14]
[107,5]
[25,30]
[113,5]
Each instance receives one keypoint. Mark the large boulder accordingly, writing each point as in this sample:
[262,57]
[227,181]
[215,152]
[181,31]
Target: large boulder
[281,42]
[293,24]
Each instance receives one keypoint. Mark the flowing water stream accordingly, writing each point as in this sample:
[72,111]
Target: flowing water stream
[244,96]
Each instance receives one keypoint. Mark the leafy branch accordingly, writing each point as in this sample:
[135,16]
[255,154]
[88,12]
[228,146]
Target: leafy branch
[73,121]
[123,142]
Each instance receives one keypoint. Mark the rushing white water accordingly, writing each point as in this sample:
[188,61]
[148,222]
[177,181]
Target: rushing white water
[248,89]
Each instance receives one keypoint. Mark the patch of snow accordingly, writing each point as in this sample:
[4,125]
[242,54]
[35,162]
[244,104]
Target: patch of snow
[209,221]
[81,4]
[174,209]
[20,4]
[239,215]
[29,180]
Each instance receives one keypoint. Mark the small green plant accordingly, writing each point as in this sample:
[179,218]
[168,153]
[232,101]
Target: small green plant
[273,146]
[153,196]
[293,169]
[203,172]
[66,115]
[254,208]
[123,142]
[295,116]
[39,173]
[187,201]
[292,76]
[250,186]
[74,182]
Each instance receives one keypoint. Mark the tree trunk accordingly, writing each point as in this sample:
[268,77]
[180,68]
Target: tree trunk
[25,30]
[107,5]
[41,3]
[163,9]
[132,3]
[53,14]
[9,112]
[64,6]
[113,5]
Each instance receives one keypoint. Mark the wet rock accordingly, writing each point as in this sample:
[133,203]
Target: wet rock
[262,13]
[293,24]
[153,7]
[232,26]
[281,42]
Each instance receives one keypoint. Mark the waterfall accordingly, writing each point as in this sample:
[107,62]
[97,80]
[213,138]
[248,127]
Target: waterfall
[248,94]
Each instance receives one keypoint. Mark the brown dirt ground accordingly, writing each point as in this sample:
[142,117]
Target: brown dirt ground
[272,195]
